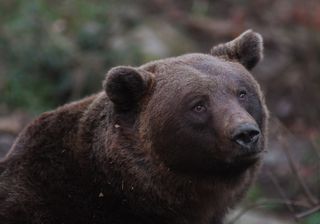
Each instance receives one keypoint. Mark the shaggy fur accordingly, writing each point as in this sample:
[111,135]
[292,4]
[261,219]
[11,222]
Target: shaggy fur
[154,147]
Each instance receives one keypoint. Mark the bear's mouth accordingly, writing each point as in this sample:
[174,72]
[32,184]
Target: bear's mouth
[248,155]
[239,163]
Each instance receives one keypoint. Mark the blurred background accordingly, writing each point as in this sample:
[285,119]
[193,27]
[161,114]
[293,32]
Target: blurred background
[53,52]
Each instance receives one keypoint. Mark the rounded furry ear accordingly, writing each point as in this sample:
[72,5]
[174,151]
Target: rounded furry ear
[126,85]
[247,49]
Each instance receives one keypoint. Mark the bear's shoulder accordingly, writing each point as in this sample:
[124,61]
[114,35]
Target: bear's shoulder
[48,129]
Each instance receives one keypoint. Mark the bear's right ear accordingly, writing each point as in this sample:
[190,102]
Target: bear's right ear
[126,85]
[247,49]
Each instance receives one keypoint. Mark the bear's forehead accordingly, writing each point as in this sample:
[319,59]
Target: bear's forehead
[201,67]
[198,75]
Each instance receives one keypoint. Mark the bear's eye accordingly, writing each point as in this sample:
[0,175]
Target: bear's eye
[242,94]
[199,108]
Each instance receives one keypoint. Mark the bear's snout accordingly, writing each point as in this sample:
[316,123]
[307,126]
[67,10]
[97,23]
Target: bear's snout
[246,136]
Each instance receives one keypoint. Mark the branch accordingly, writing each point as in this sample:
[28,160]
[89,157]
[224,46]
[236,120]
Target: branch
[316,148]
[264,203]
[282,194]
[311,199]
[308,212]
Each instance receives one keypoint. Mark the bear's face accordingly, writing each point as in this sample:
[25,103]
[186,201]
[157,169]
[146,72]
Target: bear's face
[198,114]
[207,117]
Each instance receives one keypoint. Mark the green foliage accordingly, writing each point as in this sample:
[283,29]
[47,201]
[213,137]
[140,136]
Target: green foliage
[45,43]
[254,194]
[313,219]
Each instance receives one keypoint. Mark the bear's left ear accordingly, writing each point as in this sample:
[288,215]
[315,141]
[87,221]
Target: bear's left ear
[126,85]
[247,49]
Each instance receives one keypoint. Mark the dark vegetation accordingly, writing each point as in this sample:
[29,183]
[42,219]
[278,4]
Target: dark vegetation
[53,52]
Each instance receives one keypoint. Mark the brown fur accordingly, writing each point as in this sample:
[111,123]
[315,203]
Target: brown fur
[135,153]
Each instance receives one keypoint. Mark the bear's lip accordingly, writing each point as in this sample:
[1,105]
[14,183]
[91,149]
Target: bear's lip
[249,155]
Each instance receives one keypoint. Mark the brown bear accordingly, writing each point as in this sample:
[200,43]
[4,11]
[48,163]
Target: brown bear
[174,141]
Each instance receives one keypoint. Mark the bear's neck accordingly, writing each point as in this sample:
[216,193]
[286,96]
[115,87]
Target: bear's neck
[138,178]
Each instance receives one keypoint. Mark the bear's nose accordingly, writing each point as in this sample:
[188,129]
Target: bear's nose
[246,135]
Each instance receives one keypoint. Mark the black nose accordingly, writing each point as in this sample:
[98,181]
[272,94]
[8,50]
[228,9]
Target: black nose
[246,135]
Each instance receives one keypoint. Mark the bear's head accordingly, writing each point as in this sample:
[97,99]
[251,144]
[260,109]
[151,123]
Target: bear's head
[198,114]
